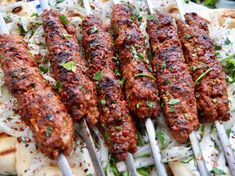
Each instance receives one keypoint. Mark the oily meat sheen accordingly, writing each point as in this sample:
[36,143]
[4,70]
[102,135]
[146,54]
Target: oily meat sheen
[78,91]
[174,81]
[38,106]
[116,123]
[207,73]
[140,85]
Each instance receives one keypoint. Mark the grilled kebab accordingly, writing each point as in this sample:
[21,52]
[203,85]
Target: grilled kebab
[140,85]
[38,106]
[116,123]
[174,81]
[207,73]
[78,92]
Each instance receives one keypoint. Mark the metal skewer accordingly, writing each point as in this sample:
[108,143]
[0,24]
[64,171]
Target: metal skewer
[84,130]
[193,137]
[228,152]
[61,160]
[160,167]
[130,160]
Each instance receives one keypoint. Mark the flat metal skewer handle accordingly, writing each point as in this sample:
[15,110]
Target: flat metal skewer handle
[160,167]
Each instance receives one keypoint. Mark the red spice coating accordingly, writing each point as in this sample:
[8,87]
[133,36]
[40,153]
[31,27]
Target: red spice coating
[117,125]
[211,89]
[38,106]
[173,78]
[78,91]
[140,91]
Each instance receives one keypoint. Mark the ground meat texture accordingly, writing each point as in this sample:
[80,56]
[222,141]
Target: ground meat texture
[78,92]
[116,123]
[38,106]
[207,73]
[174,81]
[140,85]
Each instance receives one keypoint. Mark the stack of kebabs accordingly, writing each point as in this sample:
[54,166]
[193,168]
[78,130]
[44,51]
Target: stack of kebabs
[187,85]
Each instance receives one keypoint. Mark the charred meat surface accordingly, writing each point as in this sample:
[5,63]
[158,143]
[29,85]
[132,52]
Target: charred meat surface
[38,106]
[116,123]
[78,91]
[174,81]
[140,85]
[207,73]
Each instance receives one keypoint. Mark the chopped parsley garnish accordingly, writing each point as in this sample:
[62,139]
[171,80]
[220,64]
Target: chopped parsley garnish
[229,131]
[173,102]
[117,72]
[145,75]
[43,68]
[106,136]
[121,82]
[48,131]
[167,82]
[64,20]
[172,109]
[59,1]
[218,171]
[201,76]
[94,29]
[98,75]
[152,18]
[57,86]
[164,65]
[137,55]
[217,47]
[151,104]
[71,66]
[103,102]
[186,1]
[187,36]
[227,41]
[66,36]
[161,138]
[34,14]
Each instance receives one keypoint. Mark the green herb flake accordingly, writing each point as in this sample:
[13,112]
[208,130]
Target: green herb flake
[59,1]
[71,66]
[151,104]
[218,171]
[57,86]
[173,102]
[66,36]
[94,29]
[64,20]
[161,137]
[145,75]
[48,131]
[217,47]
[164,65]
[172,109]
[103,102]
[98,75]
[34,14]
[186,1]
[201,76]
[43,68]
[117,72]
[152,18]
[227,41]
[187,36]
[167,82]
[121,82]
[229,131]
